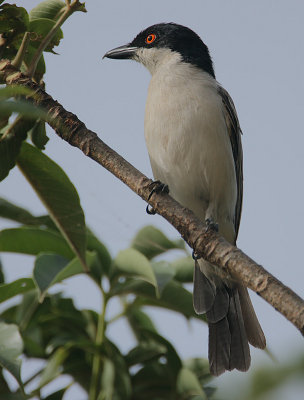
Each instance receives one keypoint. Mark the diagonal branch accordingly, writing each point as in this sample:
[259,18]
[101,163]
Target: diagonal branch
[207,244]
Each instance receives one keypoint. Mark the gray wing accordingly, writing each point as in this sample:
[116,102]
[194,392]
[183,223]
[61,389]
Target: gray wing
[234,132]
[230,315]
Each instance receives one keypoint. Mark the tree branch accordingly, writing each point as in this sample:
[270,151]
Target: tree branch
[207,244]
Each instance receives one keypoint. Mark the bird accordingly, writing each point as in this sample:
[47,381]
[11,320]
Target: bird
[193,137]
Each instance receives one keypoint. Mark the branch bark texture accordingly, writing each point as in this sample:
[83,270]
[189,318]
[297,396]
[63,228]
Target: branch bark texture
[207,244]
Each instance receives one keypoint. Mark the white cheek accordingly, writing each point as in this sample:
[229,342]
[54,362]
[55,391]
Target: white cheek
[152,58]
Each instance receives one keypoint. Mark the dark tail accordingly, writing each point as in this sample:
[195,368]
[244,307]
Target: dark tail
[232,323]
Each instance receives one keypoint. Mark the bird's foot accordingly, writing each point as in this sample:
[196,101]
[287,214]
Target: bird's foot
[211,225]
[156,187]
[195,256]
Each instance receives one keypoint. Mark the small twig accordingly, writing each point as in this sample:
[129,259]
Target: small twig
[17,61]
[94,385]
[11,127]
[31,378]
[45,42]
[206,243]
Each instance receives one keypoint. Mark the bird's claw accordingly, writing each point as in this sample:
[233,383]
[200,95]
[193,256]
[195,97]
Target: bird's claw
[211,225]
[195,256]
[157,187]
[149,210]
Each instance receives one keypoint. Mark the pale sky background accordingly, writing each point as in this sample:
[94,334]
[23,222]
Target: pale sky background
[257,49]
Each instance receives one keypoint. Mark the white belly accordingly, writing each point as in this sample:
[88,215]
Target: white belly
[189,146]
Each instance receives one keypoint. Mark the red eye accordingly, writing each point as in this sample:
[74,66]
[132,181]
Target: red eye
[150,39]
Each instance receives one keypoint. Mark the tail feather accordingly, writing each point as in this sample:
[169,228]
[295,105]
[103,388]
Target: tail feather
[219,347]
[203,291]
[220,306]
[232,322]
[239,349]
[253,328]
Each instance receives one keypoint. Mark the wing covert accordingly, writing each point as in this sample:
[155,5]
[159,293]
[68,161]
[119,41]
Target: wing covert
[234,131]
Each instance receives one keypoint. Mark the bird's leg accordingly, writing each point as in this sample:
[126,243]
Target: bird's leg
[210,225]
[156,187]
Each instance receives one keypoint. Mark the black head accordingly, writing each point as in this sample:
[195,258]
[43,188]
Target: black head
[175,37]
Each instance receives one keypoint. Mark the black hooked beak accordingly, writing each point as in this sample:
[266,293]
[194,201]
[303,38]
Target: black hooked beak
[121,52]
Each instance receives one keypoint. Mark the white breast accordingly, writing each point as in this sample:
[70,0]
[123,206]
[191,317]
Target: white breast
[187,140]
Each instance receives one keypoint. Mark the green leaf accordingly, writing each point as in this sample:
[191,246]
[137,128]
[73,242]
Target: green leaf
[74,267]
[11,348]
[51,269]
[78,365]
[15,90]
[33,241]
[9,150]
[131,262]
[164,274]
[34,345]
[173,360]
[22,107]
[122,382]
[12,136]
[53,366]
[47,266]
[104,256]
[50,9]
[157,378]
[154,381]
[183,268]
[58,395]
[40,69]
[13,18]
[38,135]
[107,380]
[174,296]
[58,194]
[139,321]
[15,213]
[80,7]
[40,28]
[146,351]
[11,211]
[188,385]
[151,242]
[2,277]
[4,388]
[200,367]
[12,289]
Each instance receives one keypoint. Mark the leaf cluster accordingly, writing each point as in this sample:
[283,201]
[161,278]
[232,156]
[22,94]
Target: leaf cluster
[70,341]
[24,37]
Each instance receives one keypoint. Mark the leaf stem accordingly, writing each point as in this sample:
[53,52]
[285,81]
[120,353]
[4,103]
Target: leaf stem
[17,61]
[31,378]
[116,317]
[32,67]
[28,314]
[11,127]
[97,358]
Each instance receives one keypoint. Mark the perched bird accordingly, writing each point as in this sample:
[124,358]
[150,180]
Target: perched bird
[193,138]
